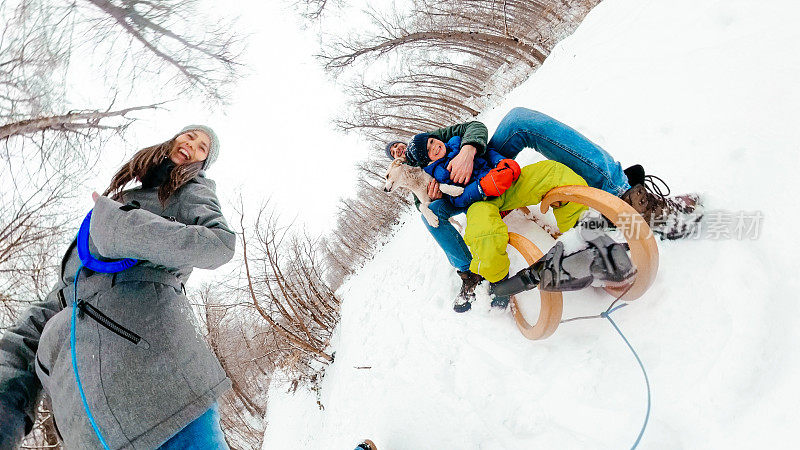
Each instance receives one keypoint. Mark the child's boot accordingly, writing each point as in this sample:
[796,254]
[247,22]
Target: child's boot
[604,261]
[499,300]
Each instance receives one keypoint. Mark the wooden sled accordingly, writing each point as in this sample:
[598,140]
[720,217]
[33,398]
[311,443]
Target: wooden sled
[643,252]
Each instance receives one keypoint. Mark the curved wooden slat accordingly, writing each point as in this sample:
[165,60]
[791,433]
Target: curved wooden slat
[644,251]
[552,304]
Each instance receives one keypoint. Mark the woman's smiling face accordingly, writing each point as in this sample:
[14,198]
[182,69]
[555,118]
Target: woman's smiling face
[189,147]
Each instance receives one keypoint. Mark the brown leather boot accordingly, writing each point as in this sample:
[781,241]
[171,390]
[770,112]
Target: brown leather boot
[670,217]
[367,445]
[469,281]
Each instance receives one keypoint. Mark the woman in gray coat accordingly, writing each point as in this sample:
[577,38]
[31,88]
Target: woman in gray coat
[147,377]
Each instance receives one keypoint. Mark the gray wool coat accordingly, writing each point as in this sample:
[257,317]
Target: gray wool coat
[145,368]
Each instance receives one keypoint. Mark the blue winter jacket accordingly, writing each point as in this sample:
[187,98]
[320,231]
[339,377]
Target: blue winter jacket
[482,164]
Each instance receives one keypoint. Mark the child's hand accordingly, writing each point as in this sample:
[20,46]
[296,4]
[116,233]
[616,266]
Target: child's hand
[499,179]
[95,196]
[510,164]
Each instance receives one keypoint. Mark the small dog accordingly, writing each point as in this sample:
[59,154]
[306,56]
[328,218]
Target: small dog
[401,175]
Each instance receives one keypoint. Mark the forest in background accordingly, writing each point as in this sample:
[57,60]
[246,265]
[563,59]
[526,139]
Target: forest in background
[420,65]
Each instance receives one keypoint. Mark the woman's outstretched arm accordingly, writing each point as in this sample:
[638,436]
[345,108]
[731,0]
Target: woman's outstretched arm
[200,238]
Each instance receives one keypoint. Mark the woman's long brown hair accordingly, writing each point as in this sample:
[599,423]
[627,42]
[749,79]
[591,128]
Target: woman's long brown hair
[136,168]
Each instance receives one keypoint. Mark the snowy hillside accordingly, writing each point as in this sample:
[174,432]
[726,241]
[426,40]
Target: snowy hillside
[703,93]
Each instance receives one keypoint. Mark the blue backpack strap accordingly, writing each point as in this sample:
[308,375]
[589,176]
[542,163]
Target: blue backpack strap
[89,261]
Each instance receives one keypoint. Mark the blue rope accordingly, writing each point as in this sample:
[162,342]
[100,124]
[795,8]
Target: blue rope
[72,342]
[606,314]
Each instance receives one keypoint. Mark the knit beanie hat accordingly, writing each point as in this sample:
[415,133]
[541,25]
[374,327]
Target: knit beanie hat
[389,148]
[213,151]
[417,150]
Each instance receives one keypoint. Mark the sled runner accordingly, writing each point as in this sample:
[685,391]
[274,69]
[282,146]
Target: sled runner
[642,244]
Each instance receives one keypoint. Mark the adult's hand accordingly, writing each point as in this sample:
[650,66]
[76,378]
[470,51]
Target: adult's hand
[460,167]
[433,190]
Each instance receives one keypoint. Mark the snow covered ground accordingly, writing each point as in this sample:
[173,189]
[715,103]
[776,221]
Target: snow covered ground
[703,93]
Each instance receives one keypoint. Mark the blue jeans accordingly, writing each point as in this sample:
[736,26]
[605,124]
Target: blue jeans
[447,236]
[522,128]
[519,129]
[203,433]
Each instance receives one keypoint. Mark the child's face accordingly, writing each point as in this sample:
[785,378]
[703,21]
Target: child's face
[436,149]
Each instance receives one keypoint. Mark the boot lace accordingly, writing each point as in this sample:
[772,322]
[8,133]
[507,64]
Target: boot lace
[651,186]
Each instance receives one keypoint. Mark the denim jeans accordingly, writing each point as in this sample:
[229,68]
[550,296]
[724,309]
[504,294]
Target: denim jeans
[203,433]
[447,236]
[522,128]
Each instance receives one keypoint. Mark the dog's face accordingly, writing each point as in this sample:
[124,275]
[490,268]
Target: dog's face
[393,174]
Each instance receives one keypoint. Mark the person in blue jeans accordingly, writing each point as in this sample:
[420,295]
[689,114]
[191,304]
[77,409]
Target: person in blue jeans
[204,433]
[669,217]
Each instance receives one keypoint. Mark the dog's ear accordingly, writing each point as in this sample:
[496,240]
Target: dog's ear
[395,163]
[389,169]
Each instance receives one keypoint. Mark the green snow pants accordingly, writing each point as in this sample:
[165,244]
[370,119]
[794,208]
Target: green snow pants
[486,234]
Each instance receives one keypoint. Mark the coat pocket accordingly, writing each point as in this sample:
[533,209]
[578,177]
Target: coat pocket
[112,325]
[44,369]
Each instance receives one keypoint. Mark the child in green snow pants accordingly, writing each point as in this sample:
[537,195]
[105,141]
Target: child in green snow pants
[486,234]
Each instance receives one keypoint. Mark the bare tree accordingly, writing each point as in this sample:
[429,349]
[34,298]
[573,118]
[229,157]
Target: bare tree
[44,434]
[448,60]
[172,38]
[173,35]
[235,336]
[313,9]
[84,123]
[284,282]
[453,55]
[363,222]
[33,59]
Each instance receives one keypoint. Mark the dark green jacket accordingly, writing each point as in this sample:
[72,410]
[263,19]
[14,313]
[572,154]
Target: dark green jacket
[474,133]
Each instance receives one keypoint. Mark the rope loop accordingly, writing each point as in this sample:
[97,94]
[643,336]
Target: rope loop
[606,315]
[74,353]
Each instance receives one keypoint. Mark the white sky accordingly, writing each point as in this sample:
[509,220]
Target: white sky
[278,139]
